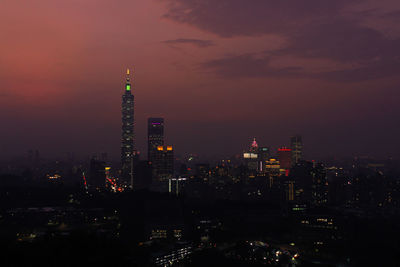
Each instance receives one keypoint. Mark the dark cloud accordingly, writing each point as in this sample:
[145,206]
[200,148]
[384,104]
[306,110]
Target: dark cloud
[392,15]
[315,29]
[342,40]
[372,53]
[195,42]
[377,70]
[259,66]
[248,65]
[229,18]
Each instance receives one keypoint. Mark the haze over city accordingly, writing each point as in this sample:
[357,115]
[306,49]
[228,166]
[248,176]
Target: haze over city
[220,73]
[200,133]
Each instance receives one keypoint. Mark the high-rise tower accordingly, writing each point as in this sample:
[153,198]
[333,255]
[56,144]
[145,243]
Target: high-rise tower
[163,165]
[296,144]
[285,157]
[155,136]
[128,137]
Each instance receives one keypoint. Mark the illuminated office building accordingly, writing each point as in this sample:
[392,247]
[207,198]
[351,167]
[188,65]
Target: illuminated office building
[263,156]
[163,164]
[273,169]
[296,144]
[155,136]
[128,137]
[251,156]
[264,153]
[319,185]
[290,190]
[176,185]
[285,157]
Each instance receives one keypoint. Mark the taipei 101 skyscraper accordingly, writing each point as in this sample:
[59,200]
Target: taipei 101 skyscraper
[128,138]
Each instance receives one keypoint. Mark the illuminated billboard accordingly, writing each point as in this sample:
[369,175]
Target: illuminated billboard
[250,155]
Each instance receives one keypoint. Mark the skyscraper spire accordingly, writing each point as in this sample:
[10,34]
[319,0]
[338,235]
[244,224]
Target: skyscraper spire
[254,143]
[128,80]
[254,146]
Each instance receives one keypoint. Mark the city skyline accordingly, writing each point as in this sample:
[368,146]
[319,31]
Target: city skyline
[128,102]
[200,133]
[222,79]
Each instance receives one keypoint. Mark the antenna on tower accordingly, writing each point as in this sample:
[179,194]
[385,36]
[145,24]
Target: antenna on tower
[128,80]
